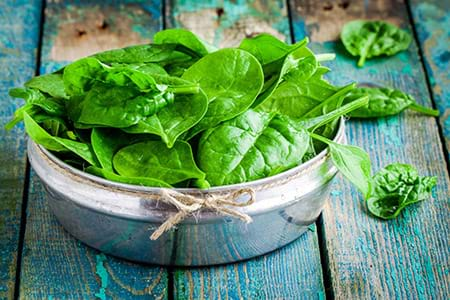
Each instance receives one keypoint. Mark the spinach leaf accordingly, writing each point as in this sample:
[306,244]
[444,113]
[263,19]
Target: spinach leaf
[150,53]
[367,39]
[231,87]
[107,141]
[254,145]
[185,38]
[42,137]
[176,119]
[51,84]
[385,102]
[35,102]
[117,106]
[268,49]
[145,181]
[395,187]
[257,144]
[154,160]
[352,161]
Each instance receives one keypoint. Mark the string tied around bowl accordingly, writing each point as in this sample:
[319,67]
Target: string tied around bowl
[186,204]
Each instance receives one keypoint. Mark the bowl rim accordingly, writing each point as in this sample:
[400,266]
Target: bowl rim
[339,137]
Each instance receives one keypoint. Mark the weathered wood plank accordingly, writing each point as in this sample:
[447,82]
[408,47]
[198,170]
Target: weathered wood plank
[295,271]
[19,36]
[431,19]
[406,258]
[55,265]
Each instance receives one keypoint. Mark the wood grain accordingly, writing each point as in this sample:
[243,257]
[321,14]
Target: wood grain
[406,258]
[55,265]
[431,19]
[293,272]
[19,35]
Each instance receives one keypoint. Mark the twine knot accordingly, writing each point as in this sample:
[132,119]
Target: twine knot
[188,204]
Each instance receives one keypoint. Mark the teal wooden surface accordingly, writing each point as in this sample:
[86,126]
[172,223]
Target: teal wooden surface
[295,271]
[55,265]
[405,258]
[19,35]
[432,23]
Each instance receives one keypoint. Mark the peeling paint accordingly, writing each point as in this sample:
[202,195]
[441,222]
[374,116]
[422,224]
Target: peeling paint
[100,270]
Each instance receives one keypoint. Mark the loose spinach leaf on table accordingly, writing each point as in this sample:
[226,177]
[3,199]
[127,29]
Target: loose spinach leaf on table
[367,39]
[385,102]
[153,159]
[231,79]
[395,187]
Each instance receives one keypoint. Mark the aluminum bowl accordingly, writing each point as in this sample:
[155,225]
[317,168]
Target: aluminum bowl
[119,218]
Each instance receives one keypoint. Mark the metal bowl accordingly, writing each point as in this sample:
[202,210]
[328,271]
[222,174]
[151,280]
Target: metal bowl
[119,218]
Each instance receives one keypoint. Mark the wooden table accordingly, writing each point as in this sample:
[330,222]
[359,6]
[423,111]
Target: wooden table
[346,255]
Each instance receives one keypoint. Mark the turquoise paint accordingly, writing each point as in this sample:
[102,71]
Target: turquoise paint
[389,127]
[336,193]
[103,274]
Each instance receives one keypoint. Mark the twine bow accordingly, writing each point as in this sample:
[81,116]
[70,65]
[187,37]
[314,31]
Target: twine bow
[188,204]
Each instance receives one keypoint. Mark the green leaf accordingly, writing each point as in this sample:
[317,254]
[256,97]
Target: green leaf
[385,102]
[144,181]
[150,53]
[117,106]
[107,141]
[176,119]
[42,137]
[231,87]
[352,161]
[251,146]
[183,37]
[395,187]
[154,160]
[51,84]
[367,39]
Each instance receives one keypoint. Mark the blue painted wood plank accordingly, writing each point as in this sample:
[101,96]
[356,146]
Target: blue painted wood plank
[432,22]
[295,271]
[55,265]
[19,35]
[368,258]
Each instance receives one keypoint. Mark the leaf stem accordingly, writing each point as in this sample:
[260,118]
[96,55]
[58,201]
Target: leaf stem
[325,57]
[341,92]
[424,110]
[361,61]
[184,89]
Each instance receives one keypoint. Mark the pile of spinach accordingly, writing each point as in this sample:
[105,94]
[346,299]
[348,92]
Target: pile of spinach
[181,113]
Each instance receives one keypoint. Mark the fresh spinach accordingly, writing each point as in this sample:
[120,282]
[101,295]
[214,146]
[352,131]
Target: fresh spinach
[185,38]
[144,181]
[385,102]
[231,87]
[258,144]
[42,137]
[180,113]
[395,187]
[154,160]
[367,39]
[174,120]
[352,161]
